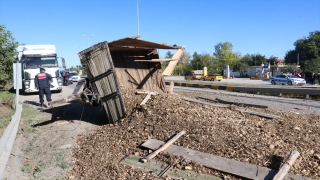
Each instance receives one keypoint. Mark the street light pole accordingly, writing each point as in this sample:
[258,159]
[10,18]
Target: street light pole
[138,17]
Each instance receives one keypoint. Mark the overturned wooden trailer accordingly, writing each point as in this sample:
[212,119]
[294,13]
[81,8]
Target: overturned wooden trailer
[129,63]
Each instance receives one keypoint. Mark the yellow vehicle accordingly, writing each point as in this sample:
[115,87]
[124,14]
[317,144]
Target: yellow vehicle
[213,77]
[193,77]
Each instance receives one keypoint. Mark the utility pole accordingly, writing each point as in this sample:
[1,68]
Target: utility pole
[298,59]
[138,18]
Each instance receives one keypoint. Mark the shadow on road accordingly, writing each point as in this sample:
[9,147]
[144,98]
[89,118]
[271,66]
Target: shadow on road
[73,111]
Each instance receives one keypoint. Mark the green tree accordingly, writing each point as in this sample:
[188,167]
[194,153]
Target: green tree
[183,67]
[306,49]
[291,57]
[290,68]
[200,61]
[240,66]
[248,59]
[224,55]
[8,52]
[312,65]
[272,60]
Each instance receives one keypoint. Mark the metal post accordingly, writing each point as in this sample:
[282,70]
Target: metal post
[138,17]
[298,59]
[17,84]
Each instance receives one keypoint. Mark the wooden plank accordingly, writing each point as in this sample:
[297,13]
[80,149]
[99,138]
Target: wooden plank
[147,92]
[164,146]
[265,115]
[237,103]
[171,87]
[285,168]
[145,99]
[206,103]
[79,88]
[158,167]
[226,165]
[155,60]
[269,116]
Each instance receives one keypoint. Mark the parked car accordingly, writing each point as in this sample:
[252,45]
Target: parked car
[287,79]
[75,76]
[213,77]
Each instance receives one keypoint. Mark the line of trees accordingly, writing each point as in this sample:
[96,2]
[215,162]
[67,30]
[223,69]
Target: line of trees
[307,50]
[77,69]
[222,56]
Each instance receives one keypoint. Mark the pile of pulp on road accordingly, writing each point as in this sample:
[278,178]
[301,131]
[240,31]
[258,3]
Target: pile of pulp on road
[218,131]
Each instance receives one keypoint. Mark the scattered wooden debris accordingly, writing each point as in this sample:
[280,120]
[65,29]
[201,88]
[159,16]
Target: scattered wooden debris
[171,87]
[299,108]
[147,92]
[206,103]
[226,165]
[265,115]
[164,170]
[269,116]
[285,168]
[163,147]
[213,100]
[238,103]
[147,97]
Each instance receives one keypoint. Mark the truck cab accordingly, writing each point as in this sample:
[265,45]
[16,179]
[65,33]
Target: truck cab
[34,57]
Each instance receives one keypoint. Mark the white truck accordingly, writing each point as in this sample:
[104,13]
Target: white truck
[33,57]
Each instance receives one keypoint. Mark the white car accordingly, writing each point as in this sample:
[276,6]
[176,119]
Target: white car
[75,76]
[287,79]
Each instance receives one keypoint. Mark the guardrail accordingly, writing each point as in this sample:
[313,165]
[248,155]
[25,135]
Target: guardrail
[299,91]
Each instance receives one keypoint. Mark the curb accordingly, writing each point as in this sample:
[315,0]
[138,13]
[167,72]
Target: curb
[7,139]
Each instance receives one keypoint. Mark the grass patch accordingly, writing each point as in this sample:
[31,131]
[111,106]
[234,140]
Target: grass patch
[6,109]
[30,116]
[61,162]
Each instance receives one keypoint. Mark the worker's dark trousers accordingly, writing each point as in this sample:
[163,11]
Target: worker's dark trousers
[42,91]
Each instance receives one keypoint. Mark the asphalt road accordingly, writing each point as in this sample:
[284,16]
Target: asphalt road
[34,97]
[237,81]
[298,106]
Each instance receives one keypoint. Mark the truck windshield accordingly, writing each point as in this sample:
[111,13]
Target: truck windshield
[37,62]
